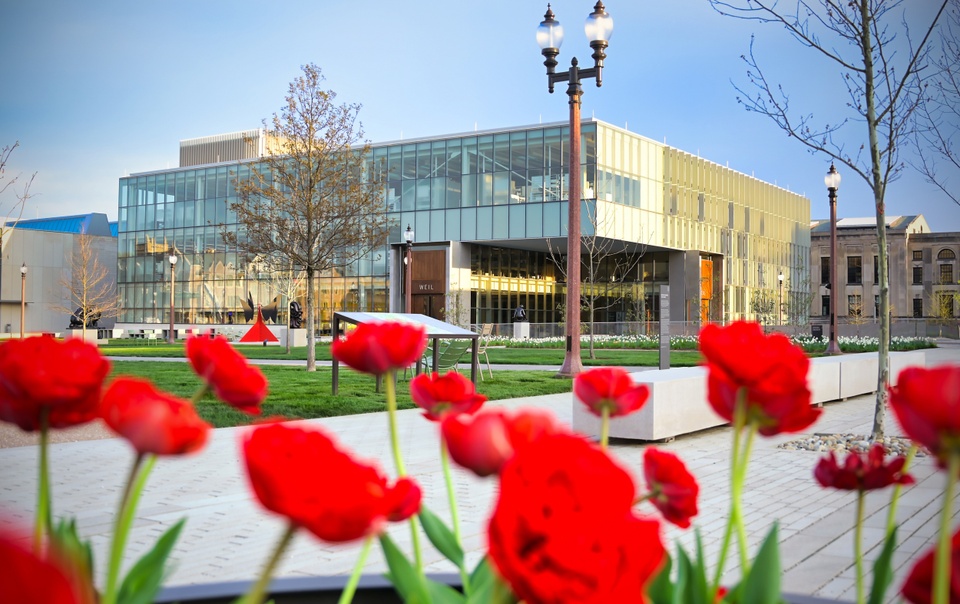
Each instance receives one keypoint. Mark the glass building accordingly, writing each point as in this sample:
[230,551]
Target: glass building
[488,211]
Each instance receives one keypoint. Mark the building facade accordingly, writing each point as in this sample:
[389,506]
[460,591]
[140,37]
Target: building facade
[49,248]
[924,274]
[488,211]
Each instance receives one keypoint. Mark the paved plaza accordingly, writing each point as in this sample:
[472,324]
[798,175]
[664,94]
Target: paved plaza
[228,537]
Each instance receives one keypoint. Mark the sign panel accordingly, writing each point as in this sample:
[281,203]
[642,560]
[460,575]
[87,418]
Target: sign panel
[664,327]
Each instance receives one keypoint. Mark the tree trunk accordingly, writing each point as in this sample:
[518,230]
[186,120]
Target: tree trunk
[883,350]
[311,338]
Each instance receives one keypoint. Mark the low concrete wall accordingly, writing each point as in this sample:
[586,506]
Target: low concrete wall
[678,397]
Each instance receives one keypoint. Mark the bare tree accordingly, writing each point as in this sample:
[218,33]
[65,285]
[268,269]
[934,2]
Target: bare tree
[882,79]
[603,261]
[763,303]
[937,126]
[314,201]
[92,287]
[20,186]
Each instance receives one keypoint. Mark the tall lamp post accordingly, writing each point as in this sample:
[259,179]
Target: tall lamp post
[23,298]
[832,180]
[173,278]
[780,300]
[598,28]
[408,271]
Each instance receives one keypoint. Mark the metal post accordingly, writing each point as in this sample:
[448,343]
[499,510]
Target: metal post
[408,280]
[173,280]
[572,364]
[832,346]
[23,291]
[780,300]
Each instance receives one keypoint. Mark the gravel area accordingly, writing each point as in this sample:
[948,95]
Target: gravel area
[12,436]
[843,443]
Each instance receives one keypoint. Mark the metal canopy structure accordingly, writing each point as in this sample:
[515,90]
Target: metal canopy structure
[436,330]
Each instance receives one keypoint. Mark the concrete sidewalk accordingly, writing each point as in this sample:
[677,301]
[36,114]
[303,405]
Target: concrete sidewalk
[228,537]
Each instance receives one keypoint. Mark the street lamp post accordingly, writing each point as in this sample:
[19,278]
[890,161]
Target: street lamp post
[780,300]
[23,298]
[832,180]
[173,278]
[598,27]
[408,271]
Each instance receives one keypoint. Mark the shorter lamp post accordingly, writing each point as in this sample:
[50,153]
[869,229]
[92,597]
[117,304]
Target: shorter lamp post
[173,263]
[408,271]
[780,300]
[23,291]
[832,180]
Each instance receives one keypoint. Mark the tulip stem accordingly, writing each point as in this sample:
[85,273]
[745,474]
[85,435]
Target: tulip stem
[604,427]
[44,521]
[739,479]
[351,587]
[259,589]
[391,386]
[858,544]
[941,573]
[454,517]
[202,390]
[897,488]
[142,466]
[739,420]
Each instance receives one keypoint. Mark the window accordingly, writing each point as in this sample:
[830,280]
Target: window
[946,274]
[824,270]
[854,270]
[918,255]
[918,275]
[876,269]
[855,305]
[876,306]
[824,306]
[946,254]
[917,307]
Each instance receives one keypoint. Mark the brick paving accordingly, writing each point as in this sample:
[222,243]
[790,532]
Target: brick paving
[227,536]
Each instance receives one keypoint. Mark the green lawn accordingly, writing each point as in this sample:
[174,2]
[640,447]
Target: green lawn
[295,393]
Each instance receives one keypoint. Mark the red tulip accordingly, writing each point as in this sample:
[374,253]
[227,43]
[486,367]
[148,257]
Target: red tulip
[611,388]
[673,489]
[152,421]
[771,370]
[918,588]
[302,474]
[926,402]
[563,529]
[482,443]
[377,348]
[28,579]
[439,395]
[861,471]
[227,372]
[63,378]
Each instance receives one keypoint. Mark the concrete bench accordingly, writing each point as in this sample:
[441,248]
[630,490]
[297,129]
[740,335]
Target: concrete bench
[678,397]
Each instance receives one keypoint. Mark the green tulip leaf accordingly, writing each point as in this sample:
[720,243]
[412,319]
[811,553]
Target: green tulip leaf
[404,577]
[487,588]
[441,537]
[76,552]
[144,579]
[762,584]
[443,594]
[660,589]
[883,570]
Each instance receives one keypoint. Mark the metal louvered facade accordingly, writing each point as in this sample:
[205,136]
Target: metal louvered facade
[235,146]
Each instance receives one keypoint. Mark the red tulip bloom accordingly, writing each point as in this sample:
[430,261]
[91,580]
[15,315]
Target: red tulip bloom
[152,421]
[28,579]
[482,443]
[771,370]
[62,378]
[564,530]
[377,348]
[673,489]
[861,471]
[918,588]
[227,372]
[609,388]
[302,474]
[927,405]
[439,395]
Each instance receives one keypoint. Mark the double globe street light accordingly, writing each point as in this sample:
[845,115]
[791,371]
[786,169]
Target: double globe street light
[598,28]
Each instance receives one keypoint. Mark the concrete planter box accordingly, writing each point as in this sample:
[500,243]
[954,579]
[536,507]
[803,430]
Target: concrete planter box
[678,397]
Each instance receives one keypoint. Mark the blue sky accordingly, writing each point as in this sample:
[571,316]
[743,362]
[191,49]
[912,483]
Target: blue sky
[101,89]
